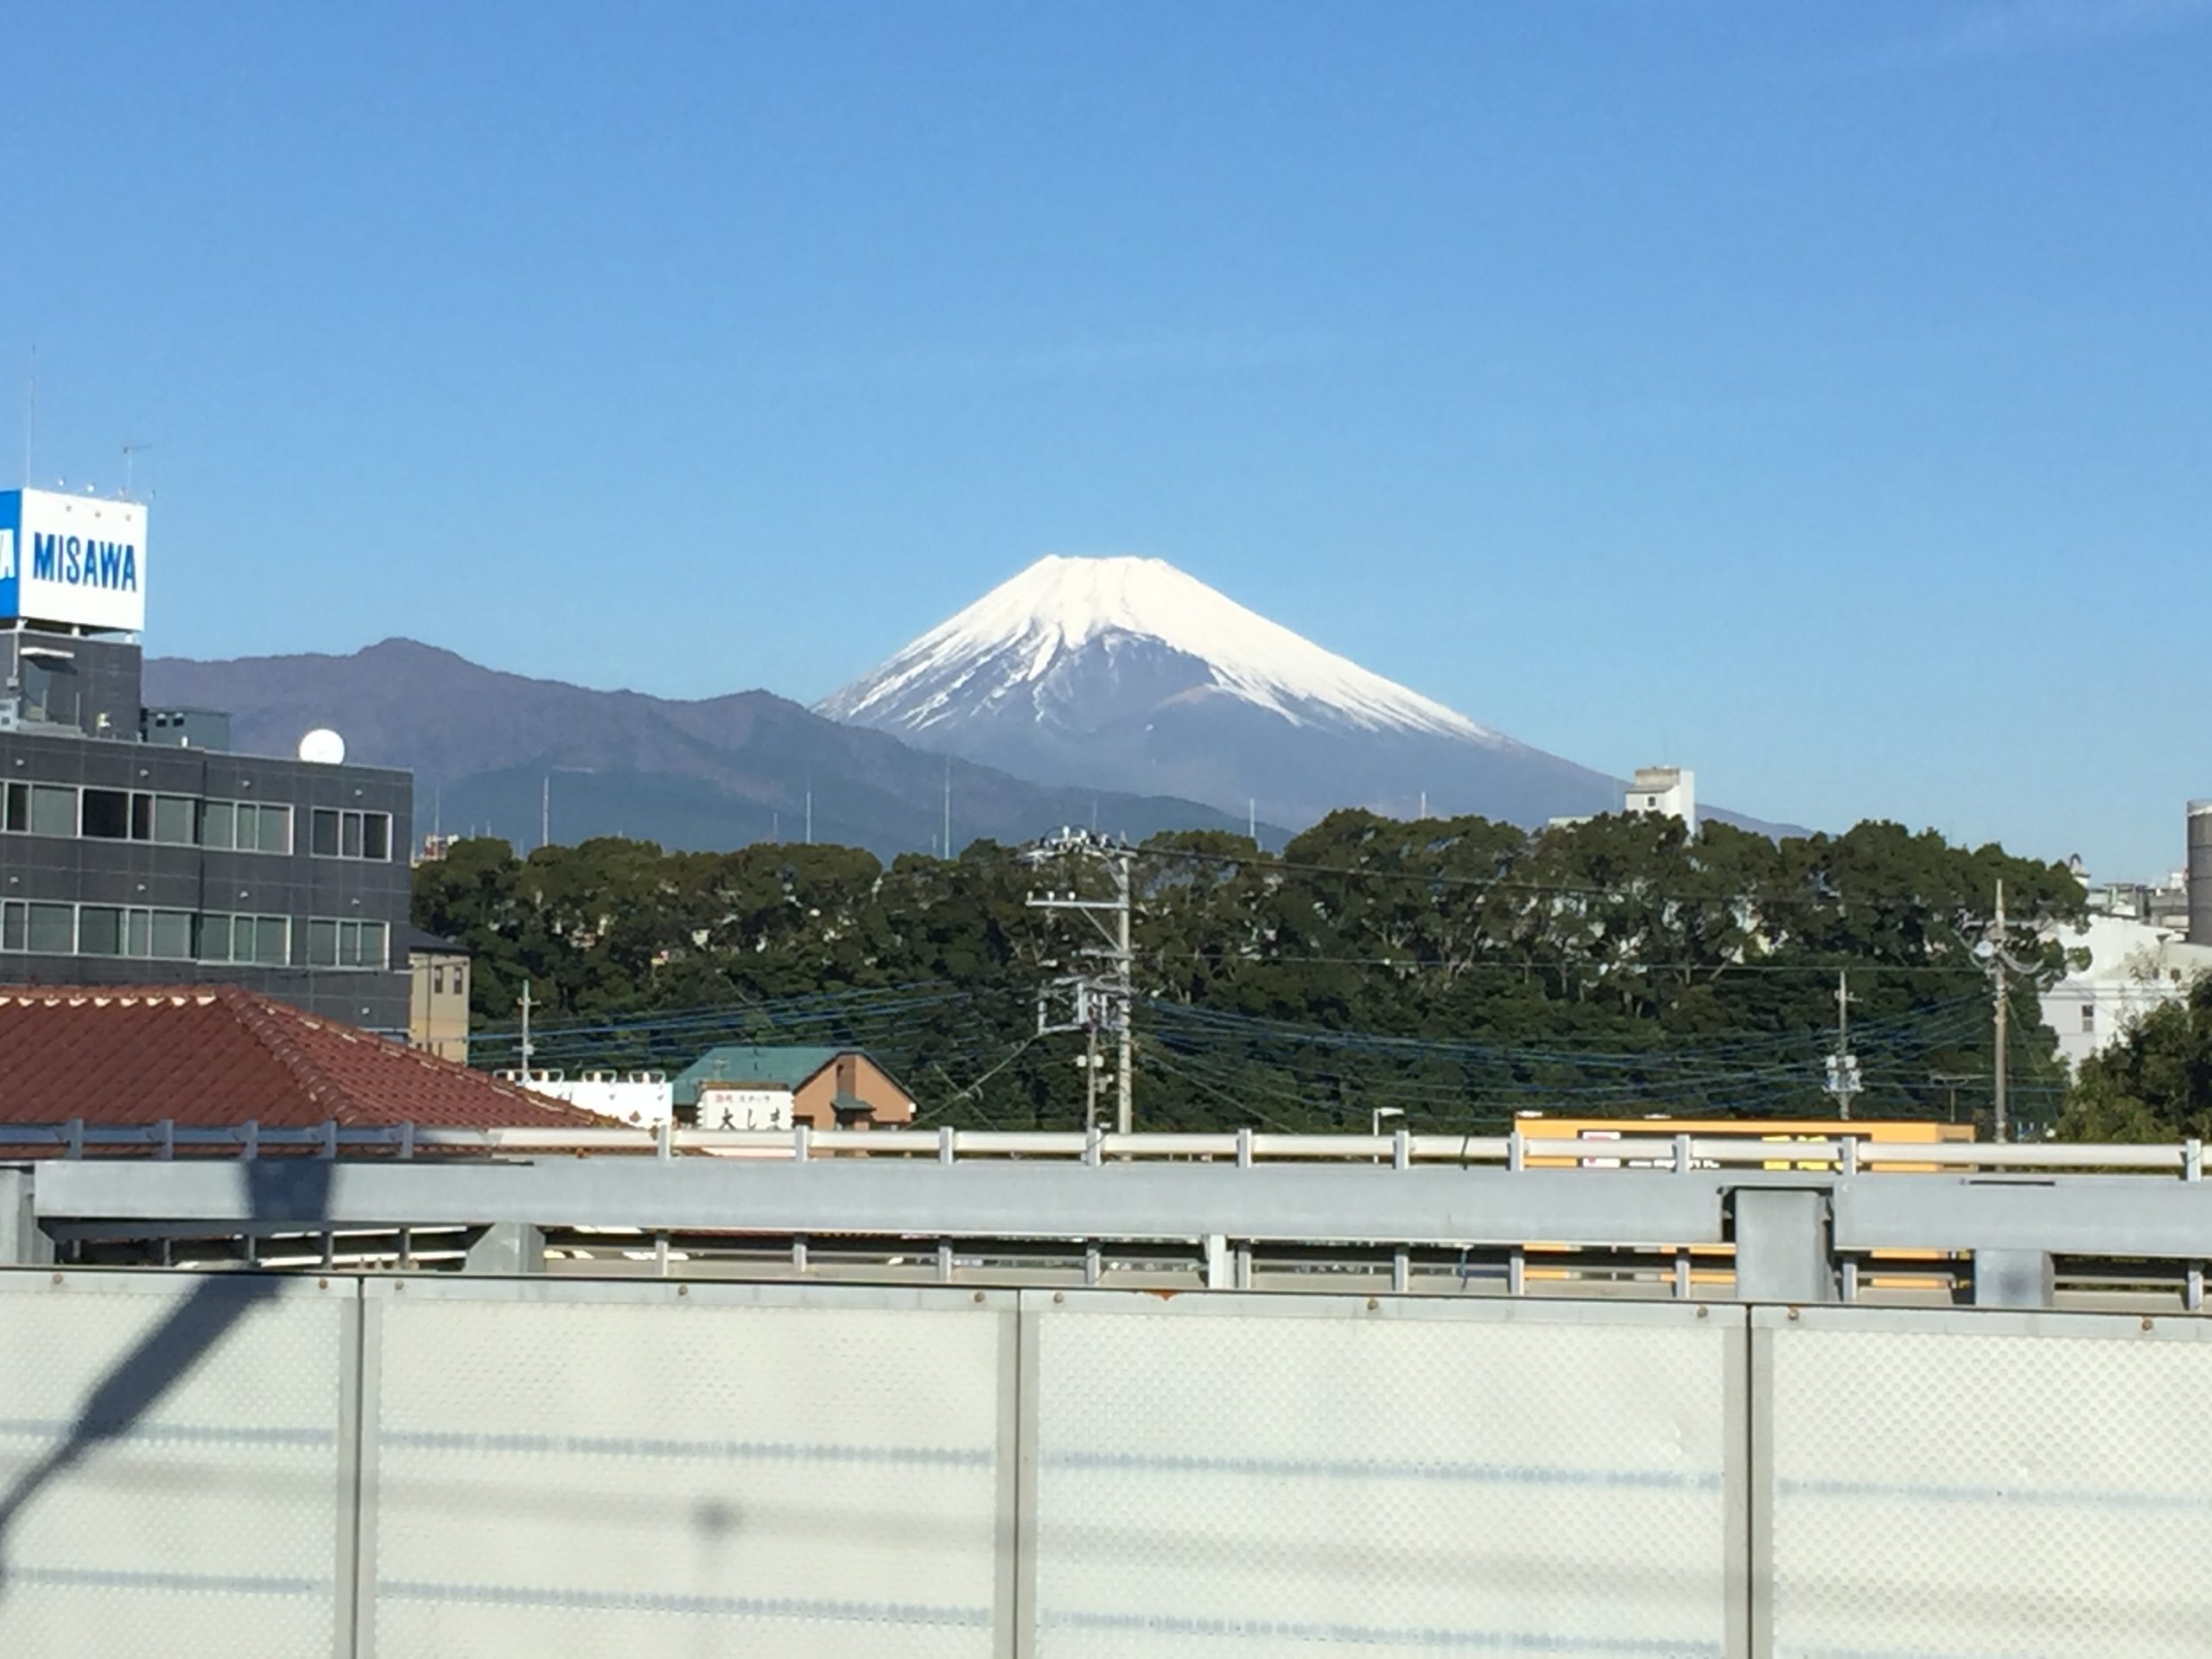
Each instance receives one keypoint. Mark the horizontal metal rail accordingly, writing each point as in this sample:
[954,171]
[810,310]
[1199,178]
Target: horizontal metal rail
[1794,1228]
[1847,1155]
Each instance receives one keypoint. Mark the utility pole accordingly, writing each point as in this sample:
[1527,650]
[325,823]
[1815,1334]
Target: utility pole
[2002,1126]
[948,806]
[1125,1061]
[525,1034]
[545,813]
[810,818]
[2001,964]
[1843,1065]
[1089,1077]
[1101,1000]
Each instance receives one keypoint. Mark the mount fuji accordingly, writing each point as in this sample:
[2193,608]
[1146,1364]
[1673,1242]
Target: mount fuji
[1127,674]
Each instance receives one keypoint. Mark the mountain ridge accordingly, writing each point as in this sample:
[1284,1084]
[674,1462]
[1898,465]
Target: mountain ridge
[708,773]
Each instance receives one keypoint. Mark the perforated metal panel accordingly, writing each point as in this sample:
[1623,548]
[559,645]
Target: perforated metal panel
[1970,1485]
[1219,1474]
[170,1463]
[620,1470]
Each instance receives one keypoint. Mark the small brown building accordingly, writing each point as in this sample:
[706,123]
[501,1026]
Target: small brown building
[771,1087]
[437,1000]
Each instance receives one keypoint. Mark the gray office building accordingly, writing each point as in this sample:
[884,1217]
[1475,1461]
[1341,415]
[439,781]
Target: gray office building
[135,848]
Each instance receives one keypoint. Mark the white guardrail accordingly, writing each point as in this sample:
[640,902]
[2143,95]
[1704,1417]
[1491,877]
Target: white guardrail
[1843,1156]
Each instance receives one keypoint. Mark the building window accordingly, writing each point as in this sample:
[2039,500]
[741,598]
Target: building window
[53,810]
[164,818]
[345,944]
[265,828]
[126,815]
[347,833]
[99,930]
[2088,1016]
[170,935]
[52,931]
[437,978]
[246,827]
[115,930]
[261,941]
[105,814]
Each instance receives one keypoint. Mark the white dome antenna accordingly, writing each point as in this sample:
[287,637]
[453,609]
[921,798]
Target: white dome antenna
[323,747]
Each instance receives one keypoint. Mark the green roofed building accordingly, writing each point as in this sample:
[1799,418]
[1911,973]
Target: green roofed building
[772,1086]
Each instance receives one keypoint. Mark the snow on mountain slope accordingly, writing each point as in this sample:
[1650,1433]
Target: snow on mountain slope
[1126,674]
[1014,650]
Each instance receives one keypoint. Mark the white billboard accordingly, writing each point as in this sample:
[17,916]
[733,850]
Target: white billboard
[722,1106]
[72,559]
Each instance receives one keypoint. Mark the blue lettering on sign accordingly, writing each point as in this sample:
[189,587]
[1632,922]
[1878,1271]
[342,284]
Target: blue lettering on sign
[79,561]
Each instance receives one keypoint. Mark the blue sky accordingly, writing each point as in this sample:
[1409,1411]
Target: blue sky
[1820,395]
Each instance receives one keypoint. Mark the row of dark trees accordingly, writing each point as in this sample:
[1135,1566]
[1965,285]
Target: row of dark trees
[1456,969]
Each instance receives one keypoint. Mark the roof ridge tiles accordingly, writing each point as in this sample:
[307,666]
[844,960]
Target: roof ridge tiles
[260,1016]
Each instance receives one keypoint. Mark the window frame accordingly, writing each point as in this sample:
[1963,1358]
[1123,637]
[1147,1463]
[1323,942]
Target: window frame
[348,835]
[46,791]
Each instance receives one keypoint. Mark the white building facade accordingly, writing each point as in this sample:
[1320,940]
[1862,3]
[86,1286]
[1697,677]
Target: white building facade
[2134,967]
[1663,791]
[647,1099]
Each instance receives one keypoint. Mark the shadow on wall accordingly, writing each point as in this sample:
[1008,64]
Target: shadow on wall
[278,1192]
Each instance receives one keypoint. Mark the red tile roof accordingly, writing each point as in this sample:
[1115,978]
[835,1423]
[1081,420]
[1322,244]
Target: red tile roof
[219,1055]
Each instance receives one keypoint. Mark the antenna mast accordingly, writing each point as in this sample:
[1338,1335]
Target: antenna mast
[130,453]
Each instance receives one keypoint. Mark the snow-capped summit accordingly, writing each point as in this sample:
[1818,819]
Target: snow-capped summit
[1127,674]
[1019,645]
